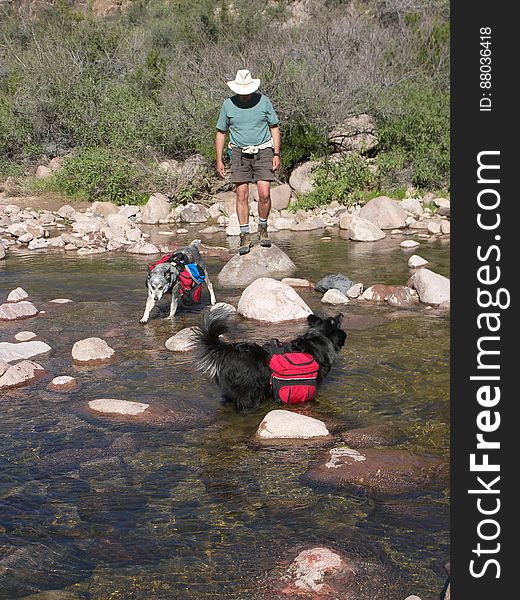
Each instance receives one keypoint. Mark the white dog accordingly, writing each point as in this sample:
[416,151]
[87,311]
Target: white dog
[180,274]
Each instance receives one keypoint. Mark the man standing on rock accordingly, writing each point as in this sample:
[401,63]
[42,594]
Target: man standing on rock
[254,144]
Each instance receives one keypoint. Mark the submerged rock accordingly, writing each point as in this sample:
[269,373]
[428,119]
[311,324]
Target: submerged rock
[321,573]
[133,413]
[382,472]
[372,436]
[112,406]
[273,301]
[259,262]
[182,341]
[283,424]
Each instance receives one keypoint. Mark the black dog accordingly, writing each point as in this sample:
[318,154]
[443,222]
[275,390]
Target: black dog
[241,370]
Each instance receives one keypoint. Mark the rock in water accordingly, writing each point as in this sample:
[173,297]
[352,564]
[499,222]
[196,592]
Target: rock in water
[182,341]
[334,282]
[259,262]
[363,230]
[384,212]
[273,301]
[112,406]
[21,374]
[11,311]
[91,351]
[382,472]
[17,295]
[157,208]
[283,424]
[431,287]
[334,297]
[22,350]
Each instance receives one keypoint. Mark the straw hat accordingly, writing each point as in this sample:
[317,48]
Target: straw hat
[244,84]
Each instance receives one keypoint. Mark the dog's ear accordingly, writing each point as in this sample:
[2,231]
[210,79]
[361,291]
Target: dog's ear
[314,320]
[338,319]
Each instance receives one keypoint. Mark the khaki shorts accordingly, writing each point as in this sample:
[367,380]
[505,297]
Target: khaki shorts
[250,168]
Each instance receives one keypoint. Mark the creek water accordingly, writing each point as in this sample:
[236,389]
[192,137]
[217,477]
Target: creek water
[115,511]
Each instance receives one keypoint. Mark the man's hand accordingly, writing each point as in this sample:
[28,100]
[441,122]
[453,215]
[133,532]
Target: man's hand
[220,168]
[276,163]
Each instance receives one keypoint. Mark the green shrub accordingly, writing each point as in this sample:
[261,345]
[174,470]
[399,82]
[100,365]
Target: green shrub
[414,135]
[345,181]
[98,174]
[300,140]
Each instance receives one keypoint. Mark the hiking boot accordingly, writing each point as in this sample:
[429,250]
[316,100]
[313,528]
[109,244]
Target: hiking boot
[263,237]
[245,243]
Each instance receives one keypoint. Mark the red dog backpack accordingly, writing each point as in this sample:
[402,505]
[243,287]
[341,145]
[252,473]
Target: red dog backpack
[294,377]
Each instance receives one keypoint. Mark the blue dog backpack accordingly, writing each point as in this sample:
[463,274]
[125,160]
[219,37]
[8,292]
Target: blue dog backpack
[294,377]
[191,280]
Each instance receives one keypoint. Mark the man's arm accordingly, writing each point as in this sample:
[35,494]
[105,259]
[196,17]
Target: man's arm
[220,142]
[275,133]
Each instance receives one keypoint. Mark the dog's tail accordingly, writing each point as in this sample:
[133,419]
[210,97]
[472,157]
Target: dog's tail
[211,351]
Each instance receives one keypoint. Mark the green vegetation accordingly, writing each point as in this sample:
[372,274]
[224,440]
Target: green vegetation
[121,94]
[345,181]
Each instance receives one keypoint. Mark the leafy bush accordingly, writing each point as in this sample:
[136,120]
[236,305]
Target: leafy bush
[300,140]
[414,136]
[146,84]
[98,174]
[345,181]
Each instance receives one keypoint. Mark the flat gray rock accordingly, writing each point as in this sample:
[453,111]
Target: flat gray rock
[22,350]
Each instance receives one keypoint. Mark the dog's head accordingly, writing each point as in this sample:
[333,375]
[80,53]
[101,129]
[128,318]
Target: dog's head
[161,279]
[329,327]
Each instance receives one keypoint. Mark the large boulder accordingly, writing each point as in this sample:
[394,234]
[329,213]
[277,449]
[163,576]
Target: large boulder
[21,374]
[157,208]
[92,351]
[280,196]
[272,301]
[22,350]
[355,134]
[363,230]
[431,287]
[104,208]
[301,179]
[412,206]
[379,471]
[259,262]
[284,424]
[384,212]
[193,213]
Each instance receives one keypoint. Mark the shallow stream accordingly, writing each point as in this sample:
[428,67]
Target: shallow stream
[122,512]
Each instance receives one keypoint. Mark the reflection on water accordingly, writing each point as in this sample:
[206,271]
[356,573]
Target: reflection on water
[108,511]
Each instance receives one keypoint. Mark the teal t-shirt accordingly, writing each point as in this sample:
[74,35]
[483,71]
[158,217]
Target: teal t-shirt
[248,122]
